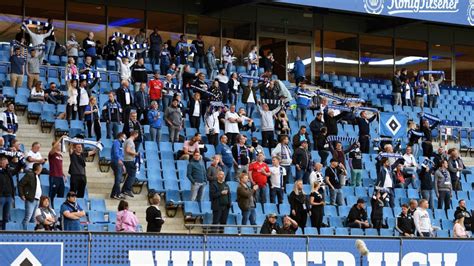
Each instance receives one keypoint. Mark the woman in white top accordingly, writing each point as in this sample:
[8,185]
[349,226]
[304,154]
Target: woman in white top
[124,68]
[45,217]
[71,108]
[231,123]
[212,124]
[459,231]
[37,92]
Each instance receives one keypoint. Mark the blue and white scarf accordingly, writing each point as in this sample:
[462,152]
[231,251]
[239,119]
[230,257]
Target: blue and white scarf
[431,118]
[246,76]
[135,47]
[37,23]
[96,144]
[70,76]
[123,36]
[333,138]
[388,155]
[126,54]
[339,107]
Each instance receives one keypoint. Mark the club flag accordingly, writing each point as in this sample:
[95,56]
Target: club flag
[393,125]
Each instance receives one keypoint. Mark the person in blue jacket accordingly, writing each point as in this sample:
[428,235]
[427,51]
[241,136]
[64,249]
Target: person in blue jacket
[154,118]
[303,100]
[116,158]
[298,70]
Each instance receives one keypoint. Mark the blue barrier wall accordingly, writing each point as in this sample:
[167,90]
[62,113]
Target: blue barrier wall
[221,250]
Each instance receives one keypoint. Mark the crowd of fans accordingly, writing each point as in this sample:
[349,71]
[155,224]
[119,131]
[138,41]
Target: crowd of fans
[177,93]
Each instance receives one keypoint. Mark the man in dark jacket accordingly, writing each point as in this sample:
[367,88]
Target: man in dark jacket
[155,48]
[302,161]
[196,174]
[142,103]
[363,122]
[468,217]
[112,114]
[331,120]
[134,125]
[7,191]
[29,189]
[200,52]
[125,99]
[405,224]
[385,180]
[397,88]
[270,226]
[300,136]
[315,127]
[246,199]
[219,194]
[357,217]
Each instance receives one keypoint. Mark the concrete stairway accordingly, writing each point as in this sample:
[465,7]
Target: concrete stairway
[99,184]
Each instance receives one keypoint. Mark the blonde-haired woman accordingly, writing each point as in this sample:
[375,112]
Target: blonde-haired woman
[316,201]
[459,231]
[153,214]
[298,201]
[72,93]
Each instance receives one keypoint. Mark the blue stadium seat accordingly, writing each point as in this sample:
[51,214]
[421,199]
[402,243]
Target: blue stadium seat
[13,227]
[97,217]
[97,227]
[269,208]
[330,210]
[342,231]
[442,233]
[371,232]
[327,231]
[311,231]
[336,221]
[344,210]
[357,232]
[386,232]
[191,208]
[97,205]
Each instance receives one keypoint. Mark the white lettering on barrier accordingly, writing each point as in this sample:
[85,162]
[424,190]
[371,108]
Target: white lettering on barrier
[200,258]
[316,257]
[142,257]
[391,258]
[269,259]
[220,258]
[333,258]
[415,257]
[450,259]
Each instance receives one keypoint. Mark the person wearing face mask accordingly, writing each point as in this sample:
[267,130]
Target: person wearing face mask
[117,165]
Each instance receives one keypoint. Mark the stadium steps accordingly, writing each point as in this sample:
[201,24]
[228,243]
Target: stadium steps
[99,184]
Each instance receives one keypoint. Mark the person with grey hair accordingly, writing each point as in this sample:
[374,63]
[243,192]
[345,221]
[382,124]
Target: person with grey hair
[155,121]
[134,125]
[72,47]
[211,63]
[174,120]
[214,168]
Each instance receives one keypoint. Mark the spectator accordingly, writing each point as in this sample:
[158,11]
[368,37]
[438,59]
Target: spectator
[225,152]
[376,216]
[414,135]
[246,199]
[467,214]
[125,68]
[298,204]
[45,216]
[50,40]
[246,123]
[182,50]
[140,38]
[426,181]
[219,89]
[7,191]
[211,63]
[88,66]
[355,163]
[156,86]
[196,173]
[9,124]
[77,169]
[420,91]
[298,70]
[315,126]
[459,230]
[234,88]
[302,162]
[37,92]
[195,110]
[443,186]
[72,47]
[53,95]
[89,46]
[289,227]
[34,156]
[129,157]
[316,201]
[92,117]
[433,90]
[340,155]
[412,207]
[363,122]
[322,145]
[283,151]
[456,168]
[440,155]
[33,68]
[38,38]
[317,176]
[282,125]
[259,173]
[404,223]
[155,122]
[17,68]
[212,127]
[57,179]
[303,100]
[357,217]
[407,91]
[29,190]
[71,213]
[111,113]
[277,180]
[110,50]
[84,92]
[422,220]
[301,136]
[71,107]
[227,54]
[241,155]
[249,98]
[134,125]
[252,67]
[165,59]
[142,103]
[126,220]
[403,179]
[410,165]
[231,124]
[189,147]
[200,52]
[155,42]
[397,88]
[117,164]
[268,125]
[385,180]
[174,120]
[332,174]
[139,73]
[214,168]
[267,62]
[219,193]
[331,120]
[270,225]
[153,214]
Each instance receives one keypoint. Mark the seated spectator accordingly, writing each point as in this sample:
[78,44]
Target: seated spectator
[461,209]
[376,216]
[422,220]
[126,220]
[189,147]
[404,223]
[357,217]
[402,178]
[153,214]
[53,95]
[270,225]
[196,173]
[71,213]
[37,92]
[45,217]
[289,226]
[459,230]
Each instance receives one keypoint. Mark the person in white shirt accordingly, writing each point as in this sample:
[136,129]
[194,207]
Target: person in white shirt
[253,62]
[283,151]
[422,220]
[212,127]
[124,67]
[9,124]
[37,92]
[231,123]
[277,180]
[410,165]
[34,156]
[227,54]
[38,38]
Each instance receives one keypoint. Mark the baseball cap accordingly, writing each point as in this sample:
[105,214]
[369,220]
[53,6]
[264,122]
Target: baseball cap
[272,215]
[71,194]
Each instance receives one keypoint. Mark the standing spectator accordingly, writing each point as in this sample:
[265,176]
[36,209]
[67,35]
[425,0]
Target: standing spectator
[29,190]
[317,176]
[467,214]
[322,145]
[426,181]
[195,110]
[126,220]
[333,180]
[140,38]
[125,68]
[252,68]
[71,213]
[89,46]
[433,91]
[182,50]
[404,223]
[111,113]
[71,107]
[241,155]
[211,64]
[376,216]
[443,186]
[9,124]
[77,169]
[222,85]
[57,179]
[142,103]
[331,120]
[363,122]
[385,180]
[45,216]
[34,156]
[165,59]
[315,126]
[125,99]
[155,121]
[340,155]
[303,100]
[17,68]
[92,117]
[407,91]
[249,97]
[298,204]
[316,201]
[420,91]
[301,136]
[397,88]
[219,193]
[283,151]
[267,62]
[129,155]
[302,162]
[225,152]
[37,39]
[212,127]
[72,47]
[357,217]
[7,191]
[456,168]
[214,168]
[155,87]
[246,199]
[33,69]
[459,230]
[422,220]
[427,138]
[84,92]
[174,120]
[227,54]
[199,53]
[268,125]
[232,121]
[117,164]
[155,48]
[259,173]
[196,174]
[355,163]
[50,41]
[413,205]
[153,214]
[277,180]
[298,70]
[282,125]
[134,125]
[139,73]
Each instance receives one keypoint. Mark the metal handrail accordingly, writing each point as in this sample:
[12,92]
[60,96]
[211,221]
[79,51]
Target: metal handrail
[191,226]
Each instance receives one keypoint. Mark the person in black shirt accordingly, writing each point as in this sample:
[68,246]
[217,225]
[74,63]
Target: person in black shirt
[426,180]
[357,217]
[316,201]
[332,174]
[270,225]
[315,126]
[405,224]
[298,201]
[139,73]
[426,128]
[77,169]
[331,120]
[467,214]
[363,122]
[53,95]
[125,98]
[355,162]
[219,193]
[153,214]
[200,53]
[376,216]
[7,191]
[412,208]
[134,125]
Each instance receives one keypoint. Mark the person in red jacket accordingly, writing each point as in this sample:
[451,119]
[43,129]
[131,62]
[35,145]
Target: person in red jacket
[259,173]
[156,85]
